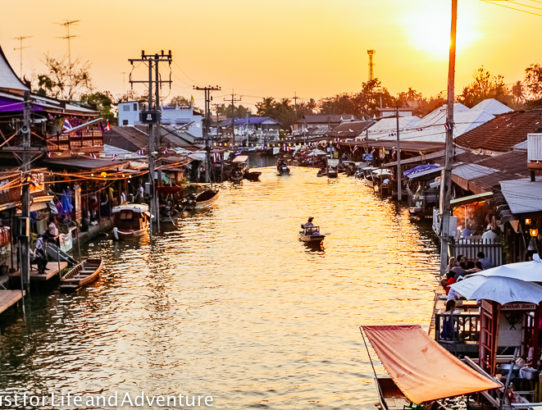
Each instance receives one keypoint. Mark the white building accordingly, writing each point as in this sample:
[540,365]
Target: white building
[182,118]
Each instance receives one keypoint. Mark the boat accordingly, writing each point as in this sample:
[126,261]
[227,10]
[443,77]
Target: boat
[332,172]
[321,173]
[282,167]
[81,275]
[206,199]
[252,175]
[389,395]
[311,236]
[130,220]
[382,181]
[238,167]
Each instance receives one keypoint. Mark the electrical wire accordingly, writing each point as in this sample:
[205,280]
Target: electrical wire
[511,8]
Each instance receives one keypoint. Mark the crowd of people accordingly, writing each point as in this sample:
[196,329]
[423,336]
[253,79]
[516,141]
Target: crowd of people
[460,268]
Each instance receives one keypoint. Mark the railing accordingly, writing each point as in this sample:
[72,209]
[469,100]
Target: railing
[472,245]
[457,328]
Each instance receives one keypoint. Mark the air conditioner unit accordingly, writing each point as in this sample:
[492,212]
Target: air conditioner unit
[534,147]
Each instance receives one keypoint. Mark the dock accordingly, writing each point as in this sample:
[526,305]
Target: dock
[53,269]
[8,298]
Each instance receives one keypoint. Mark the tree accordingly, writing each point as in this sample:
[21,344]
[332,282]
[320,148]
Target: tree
[533,82]
[64,80]
[485,85]
[180,101]
[101,102]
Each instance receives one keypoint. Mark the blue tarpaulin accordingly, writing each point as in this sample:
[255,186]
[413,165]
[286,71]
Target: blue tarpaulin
[420,168]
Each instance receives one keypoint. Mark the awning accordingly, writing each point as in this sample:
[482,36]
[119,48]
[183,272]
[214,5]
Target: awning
[240,158]
[421,368]
[522,195]
[471,198]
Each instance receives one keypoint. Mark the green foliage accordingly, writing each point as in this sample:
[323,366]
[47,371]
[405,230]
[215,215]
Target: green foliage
[101,102]
[180,101]
[64,80]
[485,85]
[533,81]
[239,112]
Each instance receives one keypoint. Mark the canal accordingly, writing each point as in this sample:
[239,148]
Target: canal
[230,304]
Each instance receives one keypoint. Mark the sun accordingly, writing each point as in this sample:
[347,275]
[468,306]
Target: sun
[428,29]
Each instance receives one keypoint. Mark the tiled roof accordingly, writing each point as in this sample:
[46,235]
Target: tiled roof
[503,132]
[325,118]
[136,138]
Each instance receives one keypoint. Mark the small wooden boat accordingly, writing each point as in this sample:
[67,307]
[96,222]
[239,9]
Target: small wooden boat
[206,199]
[81,275]
[252,175]
[332,172]
[321,173]
[130,220]
[390,397]
[311,236]
[283,170]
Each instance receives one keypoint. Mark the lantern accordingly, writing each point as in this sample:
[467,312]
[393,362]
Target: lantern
[533,232]
[528,221]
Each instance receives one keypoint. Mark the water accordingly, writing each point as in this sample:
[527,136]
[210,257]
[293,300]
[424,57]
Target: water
[231,304]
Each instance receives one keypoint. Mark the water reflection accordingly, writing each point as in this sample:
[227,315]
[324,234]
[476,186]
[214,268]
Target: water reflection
[230,303]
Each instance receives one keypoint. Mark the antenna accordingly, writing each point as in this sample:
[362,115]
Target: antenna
[68,36]
[21,48]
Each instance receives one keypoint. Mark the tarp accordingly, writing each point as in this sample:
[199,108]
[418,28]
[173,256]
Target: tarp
[421,368]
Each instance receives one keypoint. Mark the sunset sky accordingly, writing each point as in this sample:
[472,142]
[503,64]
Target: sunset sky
[275,48]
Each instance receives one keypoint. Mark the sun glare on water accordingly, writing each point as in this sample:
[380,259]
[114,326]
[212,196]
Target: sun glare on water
[428,29]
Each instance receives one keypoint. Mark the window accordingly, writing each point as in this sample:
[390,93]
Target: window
[126,107]
[135,106]
[124,122]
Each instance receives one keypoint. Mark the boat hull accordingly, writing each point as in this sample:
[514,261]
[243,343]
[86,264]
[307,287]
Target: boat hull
[311,239]
[201,205]
[81,275]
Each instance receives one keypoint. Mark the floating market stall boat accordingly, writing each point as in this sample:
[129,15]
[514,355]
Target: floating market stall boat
[130,220]
[81,275]
[422,372]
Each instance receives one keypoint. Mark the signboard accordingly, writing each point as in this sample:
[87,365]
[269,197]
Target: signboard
[149,117]
[518,306]
[38,182]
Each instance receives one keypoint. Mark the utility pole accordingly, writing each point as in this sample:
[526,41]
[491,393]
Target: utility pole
[295,98]
[233,100]
[207,123]
[371,53]
[21,48]
[68,37]
[25,199]
[446,189]
[151,116]
[399,193]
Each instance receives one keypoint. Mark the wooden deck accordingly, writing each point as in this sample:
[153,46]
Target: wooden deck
[9,298]
[51,271]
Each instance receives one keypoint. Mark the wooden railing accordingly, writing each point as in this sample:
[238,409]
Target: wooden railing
[458,328]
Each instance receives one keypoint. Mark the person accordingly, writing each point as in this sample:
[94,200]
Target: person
[448,325]
[52,230]
[465,233]
[486,263]
[477,267]
[452,263]
[308,225]
[39,255]
[122,197]
[489,236]
[450,280]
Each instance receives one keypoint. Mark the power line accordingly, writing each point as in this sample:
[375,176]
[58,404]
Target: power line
[511,8]
[525,5]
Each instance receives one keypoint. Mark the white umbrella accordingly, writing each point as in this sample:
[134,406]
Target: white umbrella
[528,271]
[315,152]
[499,289]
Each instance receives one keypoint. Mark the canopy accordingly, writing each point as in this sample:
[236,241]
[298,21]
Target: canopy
[499,289]
[421,368]
[421,168]
[528,271]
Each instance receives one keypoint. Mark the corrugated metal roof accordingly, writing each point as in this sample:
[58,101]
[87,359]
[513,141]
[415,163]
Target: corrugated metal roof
[522,195]
[8,78]
[503,132]
[472,171]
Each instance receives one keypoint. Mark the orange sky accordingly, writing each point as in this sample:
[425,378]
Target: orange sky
[315,48]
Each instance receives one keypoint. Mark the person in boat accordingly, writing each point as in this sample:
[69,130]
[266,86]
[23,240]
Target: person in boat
[309,227]
[39,256]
